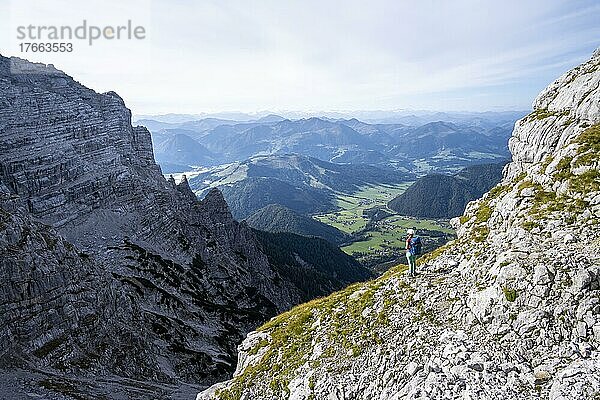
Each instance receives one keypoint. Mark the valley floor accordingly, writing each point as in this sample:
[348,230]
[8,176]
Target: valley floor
[381,239]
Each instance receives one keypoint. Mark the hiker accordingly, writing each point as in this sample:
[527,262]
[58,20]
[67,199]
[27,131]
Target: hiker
[413,249]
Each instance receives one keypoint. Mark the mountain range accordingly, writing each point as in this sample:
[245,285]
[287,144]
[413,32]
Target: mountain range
[442,145]
[306,185]
[181,151]
[405,117]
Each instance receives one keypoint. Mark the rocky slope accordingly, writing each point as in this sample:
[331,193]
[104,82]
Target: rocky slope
[511,309]
[107,267]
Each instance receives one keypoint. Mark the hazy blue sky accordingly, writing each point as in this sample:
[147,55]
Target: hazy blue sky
[205,56]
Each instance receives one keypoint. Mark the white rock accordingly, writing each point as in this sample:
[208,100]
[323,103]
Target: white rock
[569,238]
[412,368]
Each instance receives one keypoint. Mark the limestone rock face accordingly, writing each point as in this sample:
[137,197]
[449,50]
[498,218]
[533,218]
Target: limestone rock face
[510,310]
[575,96]
[41,275]
[106,266]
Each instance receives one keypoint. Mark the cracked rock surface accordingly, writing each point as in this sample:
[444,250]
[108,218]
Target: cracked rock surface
[108,268]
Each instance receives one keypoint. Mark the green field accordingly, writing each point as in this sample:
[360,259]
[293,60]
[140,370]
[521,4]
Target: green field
[350,216]
[386,237]
[390,232]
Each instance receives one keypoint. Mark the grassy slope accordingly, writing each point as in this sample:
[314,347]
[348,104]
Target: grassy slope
[350,331]
[391,232]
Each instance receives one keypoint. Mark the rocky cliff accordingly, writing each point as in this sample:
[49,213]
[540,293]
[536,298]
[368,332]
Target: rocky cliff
[107,267]
[511,309]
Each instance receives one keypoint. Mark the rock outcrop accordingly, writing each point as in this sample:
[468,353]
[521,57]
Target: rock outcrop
[511,309]
[107,267]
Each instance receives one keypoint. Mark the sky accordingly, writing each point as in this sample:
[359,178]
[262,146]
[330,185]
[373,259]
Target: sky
[244,55]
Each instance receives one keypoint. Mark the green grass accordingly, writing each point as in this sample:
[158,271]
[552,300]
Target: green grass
[589,142]
[497,191]
[350,216]
[406,222]
[478,218]
[588,154]
[543,113]
[484,210]
[530,225]
[483,213]
[482,156]
[563,169]
[587,182]
[424,259]
[525,183]
[510,294]
[479,228]
[348,221]
[388,234]
[291,334]
[376,241]
[480,233]
[547,160]
[571,203]
[391,232]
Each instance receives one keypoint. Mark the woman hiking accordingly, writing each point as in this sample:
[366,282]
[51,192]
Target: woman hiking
[413,249]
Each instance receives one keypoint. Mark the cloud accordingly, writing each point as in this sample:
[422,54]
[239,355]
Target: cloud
[255,55]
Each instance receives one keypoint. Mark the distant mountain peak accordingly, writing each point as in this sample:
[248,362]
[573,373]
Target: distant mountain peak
[271,118]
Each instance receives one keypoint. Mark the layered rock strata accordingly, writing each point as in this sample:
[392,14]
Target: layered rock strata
[107,267]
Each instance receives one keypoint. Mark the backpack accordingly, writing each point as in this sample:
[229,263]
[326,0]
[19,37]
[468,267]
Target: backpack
[416,247]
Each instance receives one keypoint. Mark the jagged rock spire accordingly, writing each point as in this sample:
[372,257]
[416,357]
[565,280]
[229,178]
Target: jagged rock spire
[184,188]
[215,201]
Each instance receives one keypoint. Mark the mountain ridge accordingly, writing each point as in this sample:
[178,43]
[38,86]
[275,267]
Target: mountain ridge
[313,264]
[77,164]
[509,310]
[110,270]
[276,218]
[446,144]
[306,185]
